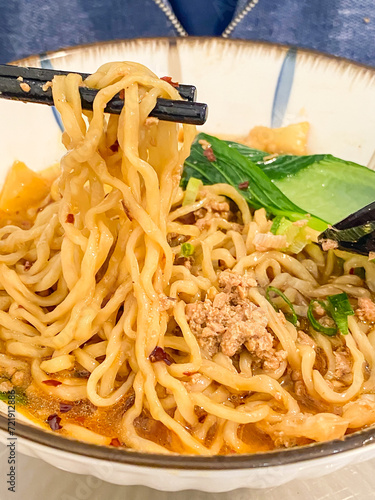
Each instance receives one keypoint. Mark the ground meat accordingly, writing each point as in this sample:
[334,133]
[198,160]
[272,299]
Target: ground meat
[5,386]
[343,369]
[25,87]
[251,331]
[7,372]
[320,361]
[46,86]
[366,309]
[234,283]
[231,320]
[329,245]
[184,261]
[218,206]
[213,209]
[20,379]
[175,239]
[13,374]
[166,302]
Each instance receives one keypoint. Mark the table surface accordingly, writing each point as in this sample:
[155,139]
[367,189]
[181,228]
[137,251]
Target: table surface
[37,480]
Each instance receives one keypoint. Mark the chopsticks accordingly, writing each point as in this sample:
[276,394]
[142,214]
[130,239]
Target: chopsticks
[30,85]
[355,233]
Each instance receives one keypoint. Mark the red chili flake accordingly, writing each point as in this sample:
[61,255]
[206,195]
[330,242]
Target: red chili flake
[70,218]
[243,185]
[54,422]
[115,442]
[209,154]
[122,94]
[54,383]
[114,146]
[168,79]
[351,270]
[65,407]
[188,374]
[158,354]
[27,265]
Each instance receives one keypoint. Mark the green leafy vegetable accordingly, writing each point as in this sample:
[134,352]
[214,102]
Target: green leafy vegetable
[191,192]
[338,308]
[292,318]
[326,186]
[231,167]
[187,249]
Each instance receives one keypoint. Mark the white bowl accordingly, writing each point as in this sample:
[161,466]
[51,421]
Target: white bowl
[245,84]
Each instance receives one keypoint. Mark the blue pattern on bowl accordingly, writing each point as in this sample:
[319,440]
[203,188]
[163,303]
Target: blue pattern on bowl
[283,88]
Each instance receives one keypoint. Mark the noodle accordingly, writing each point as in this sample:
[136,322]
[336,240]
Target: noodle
[103,310]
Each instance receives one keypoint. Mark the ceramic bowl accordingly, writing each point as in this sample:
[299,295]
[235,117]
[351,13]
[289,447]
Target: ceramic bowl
[245,84]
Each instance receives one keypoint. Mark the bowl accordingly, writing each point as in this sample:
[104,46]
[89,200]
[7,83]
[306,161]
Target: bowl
[245,84]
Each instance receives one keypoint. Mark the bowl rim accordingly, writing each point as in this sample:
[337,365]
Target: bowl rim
[40,436]
[274,458]
[173,41]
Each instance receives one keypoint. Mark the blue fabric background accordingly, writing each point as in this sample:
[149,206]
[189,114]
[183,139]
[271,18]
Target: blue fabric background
[35,26]
[332,26]
[204,17]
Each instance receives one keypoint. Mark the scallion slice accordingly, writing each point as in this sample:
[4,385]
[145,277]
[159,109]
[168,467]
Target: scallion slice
[340,309]
[315,323]
[192,189]
[276,223]
[187,249]
[292,318]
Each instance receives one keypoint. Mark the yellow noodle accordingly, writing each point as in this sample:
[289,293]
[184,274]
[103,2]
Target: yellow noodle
[100,281]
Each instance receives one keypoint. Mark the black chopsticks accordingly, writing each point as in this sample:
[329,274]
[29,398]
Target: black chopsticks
[30,85]
[355,233]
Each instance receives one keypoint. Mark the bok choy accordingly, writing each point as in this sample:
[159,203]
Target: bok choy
[326,187]
[231,167]
[323,185]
